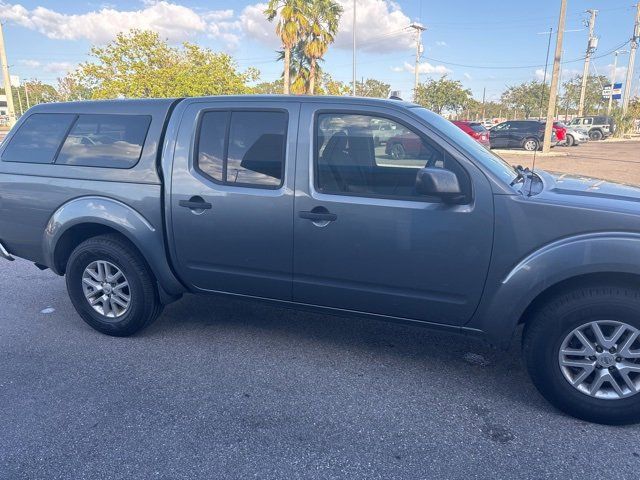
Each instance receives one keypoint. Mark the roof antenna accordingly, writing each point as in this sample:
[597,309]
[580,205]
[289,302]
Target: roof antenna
[544,84]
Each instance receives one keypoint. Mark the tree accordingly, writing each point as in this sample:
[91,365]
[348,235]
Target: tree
[268,88]
[290,26]
[323,17]
[33,92]
[442,94]
[528,97]
[330,86]
[71,88]
[139,64]
[373,88]
[570,99]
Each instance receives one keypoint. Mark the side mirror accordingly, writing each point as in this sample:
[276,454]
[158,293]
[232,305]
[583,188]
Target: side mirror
[438,182]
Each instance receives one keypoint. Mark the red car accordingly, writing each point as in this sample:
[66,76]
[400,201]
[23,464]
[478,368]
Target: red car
[476,130]
[561,131]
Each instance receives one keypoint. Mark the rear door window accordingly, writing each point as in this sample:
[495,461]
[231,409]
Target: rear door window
[243,148]
[38,138]
[112,141]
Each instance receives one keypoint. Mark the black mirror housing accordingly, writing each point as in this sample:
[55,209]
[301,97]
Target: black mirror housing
[438,182]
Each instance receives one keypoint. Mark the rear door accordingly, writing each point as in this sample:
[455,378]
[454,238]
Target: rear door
[365,241]
[232,197]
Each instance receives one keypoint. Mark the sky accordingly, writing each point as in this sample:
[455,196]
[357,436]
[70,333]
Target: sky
[486,45]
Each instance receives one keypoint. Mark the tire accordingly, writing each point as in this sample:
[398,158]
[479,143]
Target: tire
[530,144]
[570,142]
[397,151]
[110,253]
[546,333]
[595,135]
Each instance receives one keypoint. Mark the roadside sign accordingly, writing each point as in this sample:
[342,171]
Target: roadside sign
[617,91]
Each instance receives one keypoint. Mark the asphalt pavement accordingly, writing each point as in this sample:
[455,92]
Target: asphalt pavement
[221,388]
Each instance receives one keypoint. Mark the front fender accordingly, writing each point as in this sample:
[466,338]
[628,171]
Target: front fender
[607,252]
[120,217]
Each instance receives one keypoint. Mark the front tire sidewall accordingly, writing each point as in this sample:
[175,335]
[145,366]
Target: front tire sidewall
[133,318]
[541,355]
[570,141]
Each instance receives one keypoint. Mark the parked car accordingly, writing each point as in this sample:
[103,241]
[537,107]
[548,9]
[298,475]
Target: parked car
[527,134]
[488,124]
[476,130]
[575,137]
[286,200]
[599,127]
[382,131]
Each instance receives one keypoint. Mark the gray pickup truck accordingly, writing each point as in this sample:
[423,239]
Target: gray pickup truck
[290,200]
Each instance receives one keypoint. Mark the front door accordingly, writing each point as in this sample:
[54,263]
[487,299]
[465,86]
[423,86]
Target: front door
[365,240]
[232,197]
[499,135]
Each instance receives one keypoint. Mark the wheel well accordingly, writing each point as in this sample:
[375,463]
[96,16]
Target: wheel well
[587,280]
[74,237]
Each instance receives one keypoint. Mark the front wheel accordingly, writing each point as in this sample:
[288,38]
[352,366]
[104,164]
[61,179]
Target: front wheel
[111,286]
[530,145]
[570,141]
[582,350]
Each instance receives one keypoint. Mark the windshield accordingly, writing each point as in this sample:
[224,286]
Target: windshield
[477,127]
[489,160]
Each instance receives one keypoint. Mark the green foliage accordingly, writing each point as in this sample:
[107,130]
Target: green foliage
[268,88]
[139,64]
[442,94]
[306,29]
[36,91]
[373,88]
[570,99]
[527,98]
[71,88]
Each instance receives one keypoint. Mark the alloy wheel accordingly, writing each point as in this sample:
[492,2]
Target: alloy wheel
[106,289]
[602,359]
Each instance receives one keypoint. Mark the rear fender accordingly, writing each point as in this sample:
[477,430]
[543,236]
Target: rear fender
[121,218]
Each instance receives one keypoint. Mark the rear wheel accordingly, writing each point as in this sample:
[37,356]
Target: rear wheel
[530,144]
[582,351]
[595,135]
[111,286]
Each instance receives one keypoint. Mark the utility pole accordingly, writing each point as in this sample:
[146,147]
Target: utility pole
[553,92]
[632,57]
[26,94]
[613,78]
[484,95]
[418,29]
[11,112]
[354,49]
[592,44]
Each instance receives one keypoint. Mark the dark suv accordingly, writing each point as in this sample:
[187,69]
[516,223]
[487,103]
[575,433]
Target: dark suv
[527,134]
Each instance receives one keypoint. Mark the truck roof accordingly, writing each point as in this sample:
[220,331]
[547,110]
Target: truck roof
[163,103]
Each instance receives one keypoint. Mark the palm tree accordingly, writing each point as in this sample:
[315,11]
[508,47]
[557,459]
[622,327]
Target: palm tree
[300,69]
[323,18]
[292,23]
